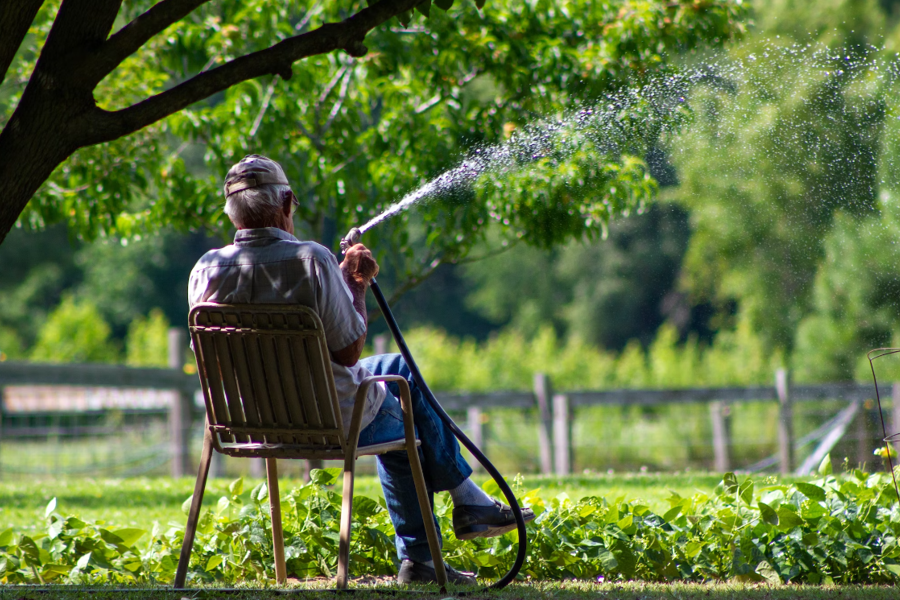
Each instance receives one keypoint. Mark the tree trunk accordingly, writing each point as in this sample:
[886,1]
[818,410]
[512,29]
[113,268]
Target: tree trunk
[34,142]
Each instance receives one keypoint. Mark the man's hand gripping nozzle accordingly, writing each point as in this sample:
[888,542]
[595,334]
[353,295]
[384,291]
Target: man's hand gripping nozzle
[351,239]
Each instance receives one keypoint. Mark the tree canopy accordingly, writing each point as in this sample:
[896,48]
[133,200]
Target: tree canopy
[354,131]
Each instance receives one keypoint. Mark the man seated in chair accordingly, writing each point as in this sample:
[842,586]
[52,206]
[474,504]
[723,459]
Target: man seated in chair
[267,264]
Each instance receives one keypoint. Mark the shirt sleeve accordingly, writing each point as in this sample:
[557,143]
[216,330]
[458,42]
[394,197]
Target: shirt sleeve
[343,325]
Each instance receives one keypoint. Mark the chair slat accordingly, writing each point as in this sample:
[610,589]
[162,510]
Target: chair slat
[229,382]
[260,382]
[245,384]
[312,352]
[303,382]
[274,371]
[210,372]
[273,383]
[293,371]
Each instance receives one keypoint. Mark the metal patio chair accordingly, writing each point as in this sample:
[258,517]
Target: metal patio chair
[269,390]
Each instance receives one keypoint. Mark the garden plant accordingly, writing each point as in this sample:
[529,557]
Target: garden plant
[828,530]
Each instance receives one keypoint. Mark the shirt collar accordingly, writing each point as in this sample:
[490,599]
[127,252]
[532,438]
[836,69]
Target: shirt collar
[247,236]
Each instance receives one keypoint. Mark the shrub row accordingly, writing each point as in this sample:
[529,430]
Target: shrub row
[829,530]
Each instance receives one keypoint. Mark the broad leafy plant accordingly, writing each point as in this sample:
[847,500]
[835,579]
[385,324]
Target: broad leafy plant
[827,530]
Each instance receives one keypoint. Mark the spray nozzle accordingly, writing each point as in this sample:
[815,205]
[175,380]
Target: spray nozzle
[351,239]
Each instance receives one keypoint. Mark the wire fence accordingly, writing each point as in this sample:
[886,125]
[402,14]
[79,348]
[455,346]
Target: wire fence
[120,430]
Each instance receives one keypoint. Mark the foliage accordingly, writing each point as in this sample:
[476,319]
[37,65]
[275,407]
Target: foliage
[788,131]
[147,343]
[605,293]
[74,332]
[829,530]
[855,294]
[353,133]
[509,361]
[10,344]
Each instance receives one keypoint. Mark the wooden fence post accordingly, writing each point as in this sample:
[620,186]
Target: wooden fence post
[864,434]
[562,435]
[785,422]
[476,432]
[380,343]
[543,392]
[180,410]
[895,414]
[718,413]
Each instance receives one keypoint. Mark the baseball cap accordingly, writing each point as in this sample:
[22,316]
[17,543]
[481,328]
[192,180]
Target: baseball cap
[253,170]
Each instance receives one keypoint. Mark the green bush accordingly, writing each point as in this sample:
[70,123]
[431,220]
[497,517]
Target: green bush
[147,342]
[829,530]
[74,332]
[10,344]
[509,361]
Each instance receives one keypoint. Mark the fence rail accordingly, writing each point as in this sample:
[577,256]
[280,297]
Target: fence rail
[555,409]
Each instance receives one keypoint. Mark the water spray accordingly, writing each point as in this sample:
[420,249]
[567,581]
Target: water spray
[351,239]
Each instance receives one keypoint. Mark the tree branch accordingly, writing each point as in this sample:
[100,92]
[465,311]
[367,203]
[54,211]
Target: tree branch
[347,35]
[336,109]
[80,27]
[15,19]
[130,38]
[265,106]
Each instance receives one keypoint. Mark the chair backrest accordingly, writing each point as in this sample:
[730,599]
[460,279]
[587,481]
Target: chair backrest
[266,376]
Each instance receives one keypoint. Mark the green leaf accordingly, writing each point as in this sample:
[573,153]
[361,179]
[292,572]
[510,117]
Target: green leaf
[214,561]
[83,561]
[324,476]
[186,505]
[625,522]
[262,492]
[745,491]
[443,4]
[730,482]
[825,467]
[51,506]
[424,8]
[692,549]
[895,569]
[788,519]
[767,513]
[672,513]
[30,550]
[811,491]
[129,535]
[236,487]
[765,570]
[6,537]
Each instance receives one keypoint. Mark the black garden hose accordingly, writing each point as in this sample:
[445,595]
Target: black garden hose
[478,454]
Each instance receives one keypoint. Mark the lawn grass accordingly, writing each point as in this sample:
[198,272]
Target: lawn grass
[523,591]
[139,502]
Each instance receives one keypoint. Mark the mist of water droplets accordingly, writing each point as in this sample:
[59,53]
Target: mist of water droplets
[659,103]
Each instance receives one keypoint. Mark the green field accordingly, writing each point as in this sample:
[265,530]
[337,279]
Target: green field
[139,502]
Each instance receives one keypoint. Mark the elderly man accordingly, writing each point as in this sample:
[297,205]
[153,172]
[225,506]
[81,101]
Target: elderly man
[267,264]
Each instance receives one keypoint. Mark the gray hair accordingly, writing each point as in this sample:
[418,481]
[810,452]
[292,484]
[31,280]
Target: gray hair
[256,206]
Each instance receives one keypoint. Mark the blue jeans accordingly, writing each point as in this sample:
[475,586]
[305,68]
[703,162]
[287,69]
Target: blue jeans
[443,466]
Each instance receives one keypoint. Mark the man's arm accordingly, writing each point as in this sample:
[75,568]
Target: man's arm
[358,269]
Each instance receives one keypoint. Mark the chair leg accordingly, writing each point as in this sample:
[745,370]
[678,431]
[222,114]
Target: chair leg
[346,519]
[421,490]
[277,532]
[194,515]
